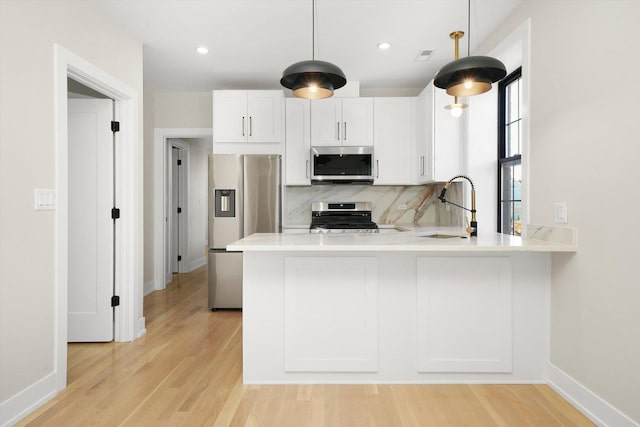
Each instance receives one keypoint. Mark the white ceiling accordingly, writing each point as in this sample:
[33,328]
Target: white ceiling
[252,41]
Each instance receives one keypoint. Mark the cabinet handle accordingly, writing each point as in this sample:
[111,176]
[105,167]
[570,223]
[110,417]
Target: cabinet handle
[306,169]
[422,165]
[338,131]
[243,126]
[250,126]
[345,131]
[377,169]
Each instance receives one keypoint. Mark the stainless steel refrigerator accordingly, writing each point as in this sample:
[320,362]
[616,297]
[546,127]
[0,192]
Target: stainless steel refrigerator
[244,198]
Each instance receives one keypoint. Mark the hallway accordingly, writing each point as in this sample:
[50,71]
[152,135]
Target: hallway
[187,370]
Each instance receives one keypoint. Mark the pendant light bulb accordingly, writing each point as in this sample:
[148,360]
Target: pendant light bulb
[456,108]
[313,79]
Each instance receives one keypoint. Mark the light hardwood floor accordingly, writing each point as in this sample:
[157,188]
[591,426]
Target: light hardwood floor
[187,370]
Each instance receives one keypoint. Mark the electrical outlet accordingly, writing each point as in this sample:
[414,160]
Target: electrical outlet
[560,212]
[402,207]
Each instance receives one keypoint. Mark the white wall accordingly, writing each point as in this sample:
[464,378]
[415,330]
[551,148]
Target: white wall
[28,31]
[482,116]
[199,149]
[183,110]
[149,125]
[584,150]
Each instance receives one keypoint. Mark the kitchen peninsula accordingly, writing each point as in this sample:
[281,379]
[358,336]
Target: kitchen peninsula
[395,308]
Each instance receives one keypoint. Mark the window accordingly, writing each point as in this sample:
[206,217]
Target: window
[510,153]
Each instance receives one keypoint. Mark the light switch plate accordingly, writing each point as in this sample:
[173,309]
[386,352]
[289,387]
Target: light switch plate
[45,200]
[560,212]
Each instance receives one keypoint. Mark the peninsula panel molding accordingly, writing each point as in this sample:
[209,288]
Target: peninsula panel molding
[330,314]
[464,314]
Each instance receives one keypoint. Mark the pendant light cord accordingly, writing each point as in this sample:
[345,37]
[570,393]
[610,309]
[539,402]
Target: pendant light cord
[468,28]
[313,30]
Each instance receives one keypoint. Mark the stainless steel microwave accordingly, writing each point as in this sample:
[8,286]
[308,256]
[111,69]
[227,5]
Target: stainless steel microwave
[341,165]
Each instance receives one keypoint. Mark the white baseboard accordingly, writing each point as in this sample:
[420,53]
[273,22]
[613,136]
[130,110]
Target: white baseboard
[197,263]
[590,404]
[142,328]
[22,404]
[149,286]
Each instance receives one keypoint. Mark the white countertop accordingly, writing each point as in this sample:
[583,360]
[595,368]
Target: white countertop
[408,241]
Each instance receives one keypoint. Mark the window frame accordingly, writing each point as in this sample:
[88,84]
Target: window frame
[502,138]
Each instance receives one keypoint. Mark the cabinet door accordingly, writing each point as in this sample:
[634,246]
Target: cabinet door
[230,120]
[447,138]
[326,122]
[393,136]
[440,139]
[464,322]
[330,314]
[264,113]
[297,141]
[357,121]
[423,161]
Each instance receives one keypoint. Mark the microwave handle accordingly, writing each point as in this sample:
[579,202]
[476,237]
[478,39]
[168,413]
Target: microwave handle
[377,169]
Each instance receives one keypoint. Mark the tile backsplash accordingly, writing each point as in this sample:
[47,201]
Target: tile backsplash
[422,204]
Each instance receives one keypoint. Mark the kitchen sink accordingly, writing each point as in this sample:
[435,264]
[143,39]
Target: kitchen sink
[444,236]
[386,230]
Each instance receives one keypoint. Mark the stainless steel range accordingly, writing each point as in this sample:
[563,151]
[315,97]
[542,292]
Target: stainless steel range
[342,217]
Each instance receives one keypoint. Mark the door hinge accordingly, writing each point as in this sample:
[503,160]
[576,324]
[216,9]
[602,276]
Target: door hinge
[179,257]
[179,210]
[115,126]
[115,213]
[115,301]
[179,162]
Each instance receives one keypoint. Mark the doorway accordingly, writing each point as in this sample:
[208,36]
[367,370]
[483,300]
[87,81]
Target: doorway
[128,320]
[194,139]
[186,204]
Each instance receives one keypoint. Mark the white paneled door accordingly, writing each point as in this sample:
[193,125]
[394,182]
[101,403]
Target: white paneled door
[90,268]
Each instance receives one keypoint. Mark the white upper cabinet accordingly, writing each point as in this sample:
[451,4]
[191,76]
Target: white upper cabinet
[357,121]
[440,139]
[297,141]
[342,121]
[253,116]
[394,138]
[424,125]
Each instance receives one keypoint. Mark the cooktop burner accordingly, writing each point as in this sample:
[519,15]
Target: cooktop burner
[342,217]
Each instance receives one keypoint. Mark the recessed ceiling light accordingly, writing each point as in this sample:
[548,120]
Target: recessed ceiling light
[384,46]
[202,50]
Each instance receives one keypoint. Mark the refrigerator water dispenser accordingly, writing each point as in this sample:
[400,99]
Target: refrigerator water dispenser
[225,205]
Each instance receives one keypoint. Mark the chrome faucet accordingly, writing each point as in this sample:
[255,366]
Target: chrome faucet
[473,228]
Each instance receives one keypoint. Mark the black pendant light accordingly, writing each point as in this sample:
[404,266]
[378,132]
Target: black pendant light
[313,79]
[472,75]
